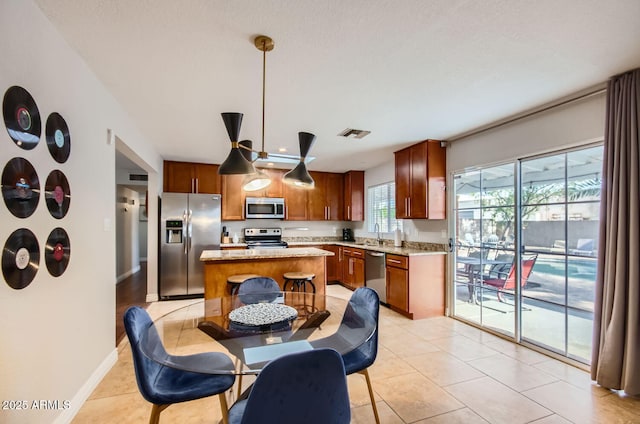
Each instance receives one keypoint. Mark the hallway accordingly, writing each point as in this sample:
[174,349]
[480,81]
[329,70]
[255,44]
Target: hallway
[129,292]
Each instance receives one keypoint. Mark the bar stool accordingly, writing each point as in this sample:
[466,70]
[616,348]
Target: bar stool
[298,281]
[234,281]
[298,285]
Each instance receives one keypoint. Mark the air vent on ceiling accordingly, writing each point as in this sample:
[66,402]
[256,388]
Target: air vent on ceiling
[350,132]
[138,177]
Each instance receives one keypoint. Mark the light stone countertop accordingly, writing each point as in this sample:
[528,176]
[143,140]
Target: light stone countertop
[402,251]
[248,254]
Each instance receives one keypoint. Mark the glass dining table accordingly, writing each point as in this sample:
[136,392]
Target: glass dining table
[255,329]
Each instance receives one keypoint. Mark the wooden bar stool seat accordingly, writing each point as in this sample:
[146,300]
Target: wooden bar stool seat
[298,281]
[234,281]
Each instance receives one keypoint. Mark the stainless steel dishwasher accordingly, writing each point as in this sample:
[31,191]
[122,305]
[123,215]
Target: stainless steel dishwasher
[375,274]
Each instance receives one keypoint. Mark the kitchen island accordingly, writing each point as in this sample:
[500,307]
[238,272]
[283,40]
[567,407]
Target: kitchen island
[220,264]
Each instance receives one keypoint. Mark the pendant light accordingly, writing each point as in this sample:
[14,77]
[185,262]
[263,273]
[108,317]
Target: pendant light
[239,163]
[236,162]
[259,179]
[299,176]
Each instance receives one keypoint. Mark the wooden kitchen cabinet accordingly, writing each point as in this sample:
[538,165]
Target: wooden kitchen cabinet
[353,267]
[324,201]
[295,203]
[397,268]
[334,263]
[233,198]
[416,284]
[420,176]
[191,177]
[354,196]
[275,189]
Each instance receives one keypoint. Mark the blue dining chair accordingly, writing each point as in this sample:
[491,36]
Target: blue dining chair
[360,359]
[163,385]
[363,301]
[305,387]
[258,289]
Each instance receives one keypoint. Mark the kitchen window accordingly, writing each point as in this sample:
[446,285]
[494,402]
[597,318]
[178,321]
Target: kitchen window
[382,208]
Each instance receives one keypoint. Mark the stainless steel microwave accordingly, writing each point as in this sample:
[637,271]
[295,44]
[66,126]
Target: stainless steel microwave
[264,207]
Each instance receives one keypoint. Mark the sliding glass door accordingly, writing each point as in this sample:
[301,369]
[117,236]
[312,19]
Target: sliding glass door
[526,235]
[484,249]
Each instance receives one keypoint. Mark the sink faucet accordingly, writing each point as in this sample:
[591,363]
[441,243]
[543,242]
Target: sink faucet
[376,228]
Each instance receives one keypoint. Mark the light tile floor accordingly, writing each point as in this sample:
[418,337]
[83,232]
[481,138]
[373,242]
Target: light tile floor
[433,371]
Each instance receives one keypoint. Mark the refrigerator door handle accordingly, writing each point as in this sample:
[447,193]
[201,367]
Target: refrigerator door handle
[185,236]
[189,229]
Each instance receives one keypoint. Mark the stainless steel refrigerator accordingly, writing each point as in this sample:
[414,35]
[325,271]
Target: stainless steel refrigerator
[189,224]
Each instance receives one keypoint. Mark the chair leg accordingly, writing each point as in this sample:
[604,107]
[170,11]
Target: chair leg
[224,407]
[373,401]
[155,413]
[239,386]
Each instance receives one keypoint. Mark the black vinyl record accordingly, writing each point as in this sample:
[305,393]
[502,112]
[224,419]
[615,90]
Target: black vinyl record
[57,194]
[57,252]
[20,187]
[20,258]
[58,139]
[21,117]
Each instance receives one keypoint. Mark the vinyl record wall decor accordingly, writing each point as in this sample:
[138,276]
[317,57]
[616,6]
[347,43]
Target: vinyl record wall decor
[57,194]
[58,138]
[21,117]
[21,189]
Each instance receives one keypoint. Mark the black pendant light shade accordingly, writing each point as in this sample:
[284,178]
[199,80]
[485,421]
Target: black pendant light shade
[236,162]
[299,176]
[232,122]
[246,147]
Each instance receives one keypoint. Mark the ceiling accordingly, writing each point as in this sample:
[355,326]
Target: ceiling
[405,70]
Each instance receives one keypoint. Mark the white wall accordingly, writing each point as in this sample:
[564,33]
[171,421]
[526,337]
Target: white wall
[58,333]
[565,126]
[127,232]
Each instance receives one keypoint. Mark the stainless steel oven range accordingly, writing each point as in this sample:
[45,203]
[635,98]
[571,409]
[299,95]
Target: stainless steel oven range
[264,238]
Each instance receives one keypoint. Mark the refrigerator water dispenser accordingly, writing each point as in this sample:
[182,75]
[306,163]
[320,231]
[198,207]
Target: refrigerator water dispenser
[174,232]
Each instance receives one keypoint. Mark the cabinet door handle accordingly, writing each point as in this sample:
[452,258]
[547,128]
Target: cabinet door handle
[197,185]
[348,212]
[395,261]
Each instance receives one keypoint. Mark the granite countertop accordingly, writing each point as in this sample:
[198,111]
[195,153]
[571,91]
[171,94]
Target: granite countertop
[248,254]
[402,251]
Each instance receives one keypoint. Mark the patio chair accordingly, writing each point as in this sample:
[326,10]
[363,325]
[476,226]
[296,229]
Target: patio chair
[508,281]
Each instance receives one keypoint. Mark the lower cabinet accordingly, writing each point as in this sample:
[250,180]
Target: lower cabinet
[416,284]
[353,267]
[334,263]
[398,287]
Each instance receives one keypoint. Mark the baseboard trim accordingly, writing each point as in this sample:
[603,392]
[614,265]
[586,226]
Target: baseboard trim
[87,388]
[128,274]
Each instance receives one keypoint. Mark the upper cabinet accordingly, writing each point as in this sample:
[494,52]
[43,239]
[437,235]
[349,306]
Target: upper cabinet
[190,177]
[275,188]
[324,201]
[233,197]
[421,181]
[335,197]
[354,196]
[295,203]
